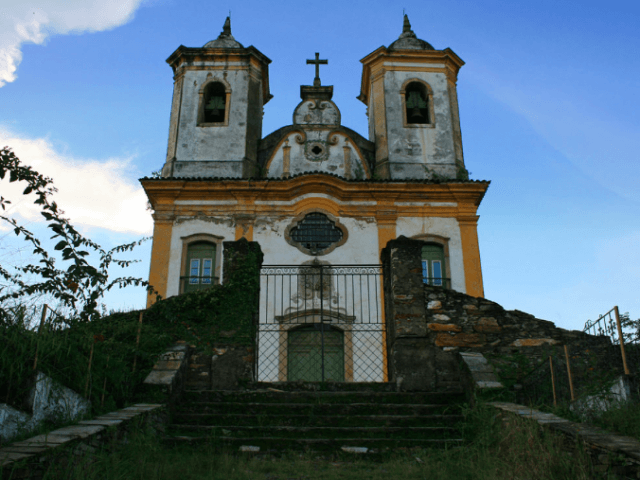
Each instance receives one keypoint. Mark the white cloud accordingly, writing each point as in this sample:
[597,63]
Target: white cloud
[32,22]
[92,193]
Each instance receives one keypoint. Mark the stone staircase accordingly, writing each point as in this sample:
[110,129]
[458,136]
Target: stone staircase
[319,416]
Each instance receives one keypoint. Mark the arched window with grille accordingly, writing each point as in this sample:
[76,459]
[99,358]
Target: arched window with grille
[214,104]
[417,103]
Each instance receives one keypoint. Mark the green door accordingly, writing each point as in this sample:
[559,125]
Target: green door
[200,266]
[305,354]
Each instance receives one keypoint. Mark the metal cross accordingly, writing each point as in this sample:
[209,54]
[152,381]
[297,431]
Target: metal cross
[317,62]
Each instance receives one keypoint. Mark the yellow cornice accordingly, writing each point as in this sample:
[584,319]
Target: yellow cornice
[282,197]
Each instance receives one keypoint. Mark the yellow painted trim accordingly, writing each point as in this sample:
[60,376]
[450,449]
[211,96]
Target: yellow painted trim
[361,158]
[463,198]
[244,230]
[318,202]
[288,138]
[160,255]
[471,255]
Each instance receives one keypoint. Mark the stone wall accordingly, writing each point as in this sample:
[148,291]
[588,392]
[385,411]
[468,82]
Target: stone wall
[411,358]
[428,326]
[512,340]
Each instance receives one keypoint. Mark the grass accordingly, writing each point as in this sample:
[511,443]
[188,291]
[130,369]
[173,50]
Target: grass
[624,419]
[494,450]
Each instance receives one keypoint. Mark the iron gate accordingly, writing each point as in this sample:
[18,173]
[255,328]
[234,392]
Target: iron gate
[321,322]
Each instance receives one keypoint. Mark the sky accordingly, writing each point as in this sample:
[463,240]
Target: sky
[549,111]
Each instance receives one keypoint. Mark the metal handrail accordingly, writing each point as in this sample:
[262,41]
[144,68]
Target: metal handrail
[445,282]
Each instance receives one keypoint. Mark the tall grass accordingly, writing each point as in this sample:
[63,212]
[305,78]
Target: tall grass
[518,450]
[94,359]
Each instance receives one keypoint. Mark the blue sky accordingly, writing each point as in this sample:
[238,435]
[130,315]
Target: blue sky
[548,104]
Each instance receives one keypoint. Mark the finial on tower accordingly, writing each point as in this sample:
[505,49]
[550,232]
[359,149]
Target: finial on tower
[408,39]
[225,39]
[406,26]
[226,29]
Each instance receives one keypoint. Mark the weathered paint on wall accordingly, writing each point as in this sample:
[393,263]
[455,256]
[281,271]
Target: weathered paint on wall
[443,227]
[331,158]
[219,228]
[412,149]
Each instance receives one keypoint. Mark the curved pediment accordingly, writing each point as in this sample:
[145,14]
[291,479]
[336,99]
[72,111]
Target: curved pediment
[306,149]
[316,112]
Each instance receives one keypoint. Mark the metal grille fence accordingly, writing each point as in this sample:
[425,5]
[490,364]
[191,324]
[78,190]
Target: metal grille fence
[623,333]
[321,322]
[548,383]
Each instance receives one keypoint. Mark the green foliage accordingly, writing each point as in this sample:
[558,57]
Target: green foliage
[81,285]
[223,314]
[624,418]
[64,348]
[461,172]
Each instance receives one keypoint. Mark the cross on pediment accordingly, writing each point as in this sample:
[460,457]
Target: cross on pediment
[317,62]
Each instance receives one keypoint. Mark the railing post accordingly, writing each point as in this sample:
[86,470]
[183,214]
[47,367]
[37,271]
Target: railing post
[135,355]
[624,356]
[553,382]
[566,356]
[321,320]
[86,385]
[42,320]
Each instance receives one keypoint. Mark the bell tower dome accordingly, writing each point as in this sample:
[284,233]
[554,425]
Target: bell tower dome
[410,91]
[216,113]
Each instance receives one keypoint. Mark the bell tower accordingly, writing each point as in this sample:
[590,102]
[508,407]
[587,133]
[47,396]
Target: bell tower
[410,91]
[216,113]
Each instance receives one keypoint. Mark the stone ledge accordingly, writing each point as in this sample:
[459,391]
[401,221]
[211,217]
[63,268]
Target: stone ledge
[169,371]
[598,440]
[479,376]
[37,452]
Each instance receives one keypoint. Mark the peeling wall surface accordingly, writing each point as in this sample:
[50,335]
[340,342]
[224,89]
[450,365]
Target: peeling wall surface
[220,228]
[447,228]
[411,149]
[48,401]
[336,154]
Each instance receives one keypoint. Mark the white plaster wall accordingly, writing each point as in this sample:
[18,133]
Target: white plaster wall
[361,248]
[218,226]
[334,164]
[435,144]
[360,299]
[219,142]
[445,227]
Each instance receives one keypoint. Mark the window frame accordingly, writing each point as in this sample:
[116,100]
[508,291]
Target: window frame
[201,105]
[443,242]
[403,95]
[299,218]
[185,265]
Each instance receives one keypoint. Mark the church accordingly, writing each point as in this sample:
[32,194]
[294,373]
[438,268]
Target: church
[321,200]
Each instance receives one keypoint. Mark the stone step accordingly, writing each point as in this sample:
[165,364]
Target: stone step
[334,433]
[263,419]
[325,386]
[314,409]
[268,396]
[273,444]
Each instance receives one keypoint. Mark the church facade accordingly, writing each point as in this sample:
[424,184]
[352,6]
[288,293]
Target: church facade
[315,194]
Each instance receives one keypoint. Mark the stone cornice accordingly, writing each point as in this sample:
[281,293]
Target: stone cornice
[375,61]
[187,58]
[349,198]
